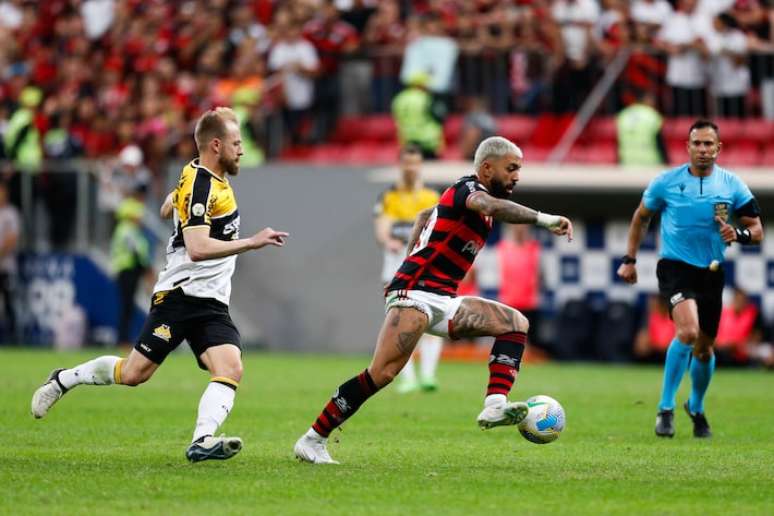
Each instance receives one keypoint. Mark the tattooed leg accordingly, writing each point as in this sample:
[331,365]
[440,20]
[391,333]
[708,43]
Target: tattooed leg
[400,332]
[477,317]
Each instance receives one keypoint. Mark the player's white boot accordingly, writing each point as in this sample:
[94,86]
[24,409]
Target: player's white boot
[47,394]
[312,447]
[498,411]
[210,447]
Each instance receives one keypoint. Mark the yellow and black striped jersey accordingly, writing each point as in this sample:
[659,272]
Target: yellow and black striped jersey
[402,207]
[201,198]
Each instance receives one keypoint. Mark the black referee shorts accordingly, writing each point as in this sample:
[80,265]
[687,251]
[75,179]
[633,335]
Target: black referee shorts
[678,281]
[174,316]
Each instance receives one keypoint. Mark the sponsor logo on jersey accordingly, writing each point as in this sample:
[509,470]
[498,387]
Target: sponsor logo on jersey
[232,227]
[163,332]
[145,347]
[676,298]
[197,209]
[472,247]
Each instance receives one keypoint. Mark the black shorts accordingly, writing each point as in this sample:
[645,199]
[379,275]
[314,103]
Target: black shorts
[678,281]
[174,316]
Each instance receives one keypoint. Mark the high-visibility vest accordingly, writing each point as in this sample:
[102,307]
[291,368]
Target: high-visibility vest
[411,109]
[638,126]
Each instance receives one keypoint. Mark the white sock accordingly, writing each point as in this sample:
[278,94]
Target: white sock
[495,399]
[314,435]
[407,374]
[94,372]
[214,407]
[429,354]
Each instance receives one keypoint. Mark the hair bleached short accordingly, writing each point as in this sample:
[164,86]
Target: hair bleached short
[494,146]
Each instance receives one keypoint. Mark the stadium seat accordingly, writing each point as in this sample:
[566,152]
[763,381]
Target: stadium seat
[535,153]
[600,130]
[742,154]
[452,128]
[452,153]
[517,128]
[757,130]
[348,129]
[767,156]
[732,130]
[378,128]
[676,129]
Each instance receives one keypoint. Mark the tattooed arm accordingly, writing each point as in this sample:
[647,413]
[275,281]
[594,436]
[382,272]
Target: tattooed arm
[419,225]
[504,210]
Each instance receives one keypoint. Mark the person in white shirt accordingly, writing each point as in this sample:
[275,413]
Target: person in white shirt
[680,38]
[576,19]
[729,73]
[296,59]
[651,13]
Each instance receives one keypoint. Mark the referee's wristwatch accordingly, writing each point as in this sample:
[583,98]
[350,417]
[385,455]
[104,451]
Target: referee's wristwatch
[628,260]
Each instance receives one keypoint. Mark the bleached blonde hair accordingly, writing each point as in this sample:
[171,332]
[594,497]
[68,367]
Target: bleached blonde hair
[494,146]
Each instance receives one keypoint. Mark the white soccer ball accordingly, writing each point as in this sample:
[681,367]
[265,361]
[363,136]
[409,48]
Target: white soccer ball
[544,422]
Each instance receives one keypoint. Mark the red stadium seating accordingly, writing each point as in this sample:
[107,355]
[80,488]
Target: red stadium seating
[676,129]
[600,130]
[452,128]
[517,128]
[757,130]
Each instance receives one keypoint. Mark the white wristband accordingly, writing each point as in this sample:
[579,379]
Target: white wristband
[548,221]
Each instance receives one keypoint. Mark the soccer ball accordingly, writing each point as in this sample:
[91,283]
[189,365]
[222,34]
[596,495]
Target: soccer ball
[544,421]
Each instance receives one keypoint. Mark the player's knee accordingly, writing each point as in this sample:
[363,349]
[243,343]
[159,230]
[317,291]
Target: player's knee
[522,323]
[232,370]
[688,334]
[133,377]
[703,355]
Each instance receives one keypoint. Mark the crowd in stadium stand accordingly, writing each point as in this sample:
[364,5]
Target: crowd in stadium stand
[93,76]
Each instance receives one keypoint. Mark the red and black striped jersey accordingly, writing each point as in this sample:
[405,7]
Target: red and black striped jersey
[448,244]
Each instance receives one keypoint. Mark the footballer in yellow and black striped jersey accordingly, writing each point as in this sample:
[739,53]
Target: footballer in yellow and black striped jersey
[201,199]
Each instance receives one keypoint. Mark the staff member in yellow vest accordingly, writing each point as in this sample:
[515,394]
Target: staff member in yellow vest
[395,214]
[130,256]
[418,117]
[640,142]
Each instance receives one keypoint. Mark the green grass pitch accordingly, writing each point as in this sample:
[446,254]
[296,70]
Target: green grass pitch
[118,450]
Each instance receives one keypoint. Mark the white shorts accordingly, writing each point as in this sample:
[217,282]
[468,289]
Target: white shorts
[439,309]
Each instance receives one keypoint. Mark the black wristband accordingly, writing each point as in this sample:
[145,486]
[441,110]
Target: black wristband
[627,260]
[743,236]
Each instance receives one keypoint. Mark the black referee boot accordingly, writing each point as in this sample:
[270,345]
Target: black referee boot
[701,428]
[665,423]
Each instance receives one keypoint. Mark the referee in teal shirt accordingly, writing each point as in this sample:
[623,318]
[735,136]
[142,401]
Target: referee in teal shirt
[696,201]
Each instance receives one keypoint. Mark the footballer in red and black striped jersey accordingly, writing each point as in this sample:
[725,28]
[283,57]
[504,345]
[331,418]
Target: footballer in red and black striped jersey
[422,298]
[448,244]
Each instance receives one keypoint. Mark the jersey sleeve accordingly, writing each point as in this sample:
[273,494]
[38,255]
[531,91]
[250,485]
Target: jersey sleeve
[380,208]
[742,193]
[653,197]
[464,189]
[195,208]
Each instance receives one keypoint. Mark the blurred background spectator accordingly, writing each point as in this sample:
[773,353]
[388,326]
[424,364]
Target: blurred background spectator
[640,141]
[518,254]
[131,259]
[418,117]
[740,330]
[653,338]
[9,240]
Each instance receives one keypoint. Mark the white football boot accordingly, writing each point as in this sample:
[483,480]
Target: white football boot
[312,447]
[503,413]
[209,447]
[47,394]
